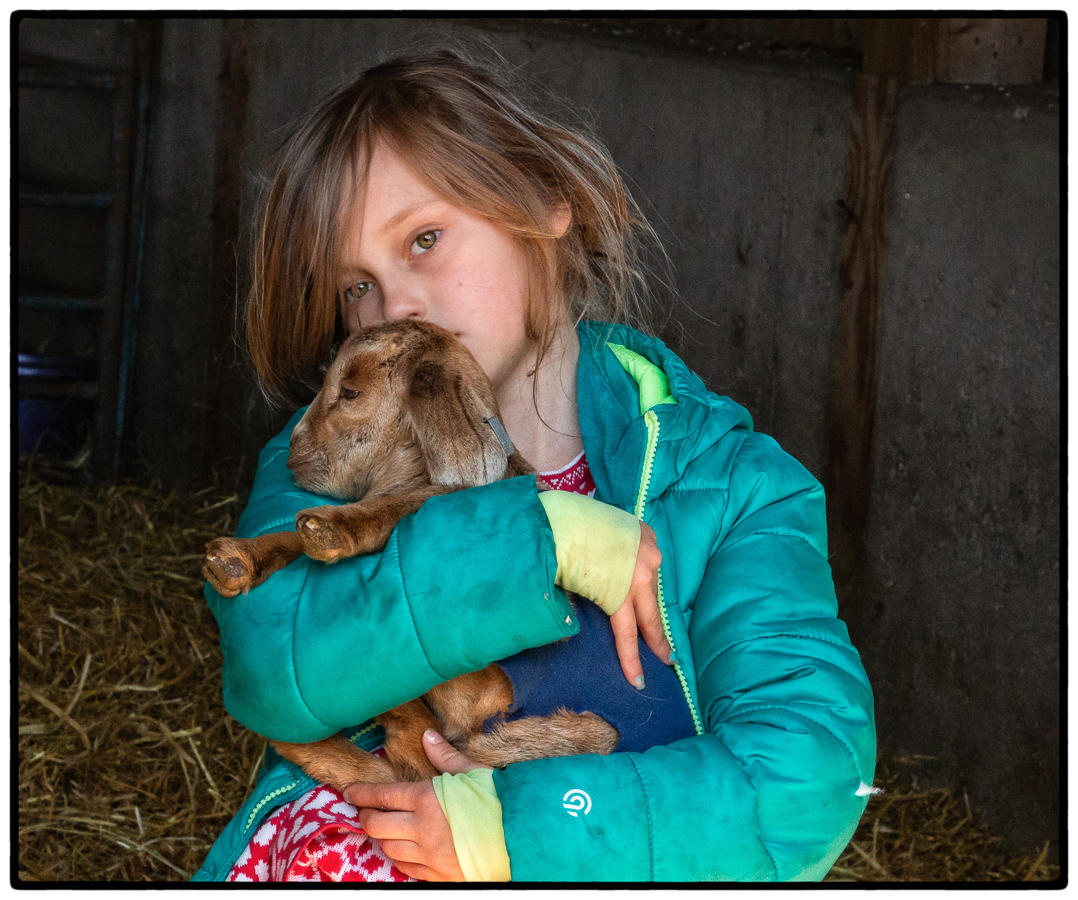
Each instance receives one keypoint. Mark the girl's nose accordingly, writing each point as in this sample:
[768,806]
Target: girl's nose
[404,302]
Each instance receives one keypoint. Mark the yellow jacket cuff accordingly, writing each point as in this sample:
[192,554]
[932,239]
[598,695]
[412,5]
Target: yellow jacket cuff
[596,546]
[474,813]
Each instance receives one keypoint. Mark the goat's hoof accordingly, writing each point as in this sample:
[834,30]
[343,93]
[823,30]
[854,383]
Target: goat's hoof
[226,568]
[320,537]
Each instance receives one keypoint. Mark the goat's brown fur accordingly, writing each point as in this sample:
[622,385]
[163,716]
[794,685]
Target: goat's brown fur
[400,418]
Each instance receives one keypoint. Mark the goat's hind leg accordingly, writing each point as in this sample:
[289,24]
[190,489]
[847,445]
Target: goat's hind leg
[404,727]
[235,565]
[562,733]
[468,701]
[464,703]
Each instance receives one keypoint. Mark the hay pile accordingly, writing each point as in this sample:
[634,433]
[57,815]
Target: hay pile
[915,833]
[128,765]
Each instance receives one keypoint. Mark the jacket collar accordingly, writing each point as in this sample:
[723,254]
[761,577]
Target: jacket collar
[613,395]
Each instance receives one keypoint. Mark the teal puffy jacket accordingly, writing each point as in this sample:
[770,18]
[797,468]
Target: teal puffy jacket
[776,779]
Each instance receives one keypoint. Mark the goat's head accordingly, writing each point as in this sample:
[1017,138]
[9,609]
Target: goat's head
[402,403]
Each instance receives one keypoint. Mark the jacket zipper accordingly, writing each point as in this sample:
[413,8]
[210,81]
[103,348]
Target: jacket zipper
[284,789]
[652,422]
[272,795]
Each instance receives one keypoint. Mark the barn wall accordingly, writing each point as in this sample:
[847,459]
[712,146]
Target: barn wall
[740,162]
[960,618]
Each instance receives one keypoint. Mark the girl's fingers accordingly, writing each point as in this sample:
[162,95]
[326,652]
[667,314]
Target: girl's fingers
[444,756]
[388,826]
[401,795]
[411,827]
[623,625]
[422,859]
[417,871]
[650,625]
[644,594]
[639,614]
[402,851]
[655,638]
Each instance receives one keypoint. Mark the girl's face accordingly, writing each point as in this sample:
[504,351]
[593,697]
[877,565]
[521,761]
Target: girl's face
[408,253]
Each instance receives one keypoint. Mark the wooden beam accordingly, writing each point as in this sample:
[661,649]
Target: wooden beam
[905,49]
[221,437]
[854,362]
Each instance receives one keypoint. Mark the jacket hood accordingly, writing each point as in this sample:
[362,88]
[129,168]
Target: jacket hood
[613,420]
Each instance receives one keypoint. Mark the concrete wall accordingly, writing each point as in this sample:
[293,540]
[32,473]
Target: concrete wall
[740,163]
[960,626]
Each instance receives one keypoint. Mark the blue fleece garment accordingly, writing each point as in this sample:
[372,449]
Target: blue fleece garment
[582,674]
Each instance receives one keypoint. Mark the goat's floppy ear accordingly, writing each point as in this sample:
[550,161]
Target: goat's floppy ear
[449,408]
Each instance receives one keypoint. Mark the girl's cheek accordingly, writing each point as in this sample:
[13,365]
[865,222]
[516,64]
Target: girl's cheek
[353,318]
[440,276]
[369,310]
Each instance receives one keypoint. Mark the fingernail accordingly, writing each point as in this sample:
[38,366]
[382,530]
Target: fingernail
[638,683]
[432,737]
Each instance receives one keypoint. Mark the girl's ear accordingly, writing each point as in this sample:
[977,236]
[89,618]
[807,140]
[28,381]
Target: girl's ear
[560,220]
[448,405]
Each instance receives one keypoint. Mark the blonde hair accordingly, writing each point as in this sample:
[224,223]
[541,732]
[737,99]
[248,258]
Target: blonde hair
[481,150]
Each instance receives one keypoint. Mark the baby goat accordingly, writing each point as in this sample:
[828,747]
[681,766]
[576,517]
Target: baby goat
[404,413]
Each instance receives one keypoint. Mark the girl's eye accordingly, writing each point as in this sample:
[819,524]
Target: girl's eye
[426,240]
[348,394]
[357,290]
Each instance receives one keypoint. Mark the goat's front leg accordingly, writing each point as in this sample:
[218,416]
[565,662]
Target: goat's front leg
[338,762]
[330,533]
[235,565]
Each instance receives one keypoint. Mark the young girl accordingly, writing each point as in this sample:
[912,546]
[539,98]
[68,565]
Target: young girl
[747,748]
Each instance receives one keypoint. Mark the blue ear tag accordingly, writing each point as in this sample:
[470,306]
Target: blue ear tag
[496,426]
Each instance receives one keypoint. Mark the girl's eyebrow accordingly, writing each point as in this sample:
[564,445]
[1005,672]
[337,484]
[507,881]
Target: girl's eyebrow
[405,213]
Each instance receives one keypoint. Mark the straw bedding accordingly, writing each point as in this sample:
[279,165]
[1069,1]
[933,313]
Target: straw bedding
[128,765]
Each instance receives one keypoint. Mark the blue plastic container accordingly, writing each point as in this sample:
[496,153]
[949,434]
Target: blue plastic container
[55,406]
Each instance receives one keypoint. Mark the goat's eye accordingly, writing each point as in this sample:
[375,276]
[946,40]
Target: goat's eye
[426,240]
[348,394]
[357,290]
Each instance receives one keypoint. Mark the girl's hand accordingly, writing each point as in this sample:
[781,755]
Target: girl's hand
[640,612]
[407,818]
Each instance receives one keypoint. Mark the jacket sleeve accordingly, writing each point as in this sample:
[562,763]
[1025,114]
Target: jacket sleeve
[774,785]
[466,580]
